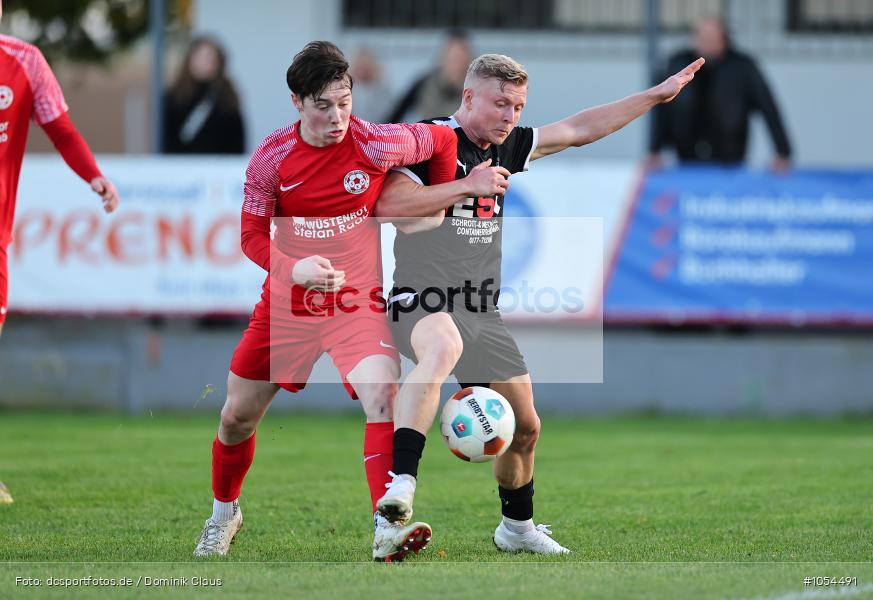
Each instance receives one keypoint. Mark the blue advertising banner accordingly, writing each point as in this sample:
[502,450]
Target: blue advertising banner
[729,245]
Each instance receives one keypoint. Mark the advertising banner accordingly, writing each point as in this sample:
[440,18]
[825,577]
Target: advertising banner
[725,245]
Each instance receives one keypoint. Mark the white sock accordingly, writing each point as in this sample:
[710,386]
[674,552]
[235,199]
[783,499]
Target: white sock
[518,526]
[224,511]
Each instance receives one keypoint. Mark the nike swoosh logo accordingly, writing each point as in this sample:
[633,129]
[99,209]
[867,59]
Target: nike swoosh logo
[371,457]
[283,188]
[406,298]
[384,345]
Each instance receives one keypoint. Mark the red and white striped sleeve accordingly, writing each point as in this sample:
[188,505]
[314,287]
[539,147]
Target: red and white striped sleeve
[262,174]
[48,99]
[393,145]
[397,145]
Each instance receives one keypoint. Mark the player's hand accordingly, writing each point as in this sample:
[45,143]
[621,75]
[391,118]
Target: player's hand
[670,87]
[316,272]
[485,181]
[107,191]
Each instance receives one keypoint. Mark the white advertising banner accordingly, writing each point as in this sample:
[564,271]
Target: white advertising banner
[173,245]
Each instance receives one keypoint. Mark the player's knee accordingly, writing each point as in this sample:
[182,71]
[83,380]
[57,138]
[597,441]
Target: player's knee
[378,400]
[442,353]
[526,435]
[386,392]
[236,424]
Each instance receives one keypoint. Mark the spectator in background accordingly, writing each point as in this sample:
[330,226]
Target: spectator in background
[201,110]
[436,93]
[371,92]
[710,121]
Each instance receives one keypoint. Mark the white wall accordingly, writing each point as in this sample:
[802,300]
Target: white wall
[825,97]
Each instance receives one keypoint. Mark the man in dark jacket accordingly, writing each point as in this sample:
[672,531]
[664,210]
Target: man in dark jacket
[710,121]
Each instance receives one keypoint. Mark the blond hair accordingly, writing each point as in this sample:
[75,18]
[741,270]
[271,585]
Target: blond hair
[496,66]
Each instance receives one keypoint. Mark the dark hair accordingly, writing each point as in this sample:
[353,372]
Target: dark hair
[185,87]
[315,67]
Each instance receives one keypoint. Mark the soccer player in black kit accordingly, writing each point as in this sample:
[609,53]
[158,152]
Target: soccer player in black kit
[442,305]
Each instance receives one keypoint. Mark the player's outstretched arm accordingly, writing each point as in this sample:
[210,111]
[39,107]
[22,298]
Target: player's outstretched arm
[404,197]
[592,124]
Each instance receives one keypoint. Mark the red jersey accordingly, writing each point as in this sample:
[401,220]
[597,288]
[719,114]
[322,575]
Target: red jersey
[28,89]
[328,194]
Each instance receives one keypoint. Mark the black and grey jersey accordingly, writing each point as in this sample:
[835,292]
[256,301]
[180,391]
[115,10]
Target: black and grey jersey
[466,248]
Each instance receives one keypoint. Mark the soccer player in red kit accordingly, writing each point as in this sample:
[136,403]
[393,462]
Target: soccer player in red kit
[29,90]
[324,173]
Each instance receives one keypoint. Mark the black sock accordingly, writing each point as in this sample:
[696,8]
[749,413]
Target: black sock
[517,504]
[408,446]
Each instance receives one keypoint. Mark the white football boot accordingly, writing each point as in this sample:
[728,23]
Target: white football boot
[536,540]
[393,541]
[396,504]
[216,536]
[5,496]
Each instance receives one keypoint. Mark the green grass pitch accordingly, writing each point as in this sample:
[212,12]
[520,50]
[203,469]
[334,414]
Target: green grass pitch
[651,507]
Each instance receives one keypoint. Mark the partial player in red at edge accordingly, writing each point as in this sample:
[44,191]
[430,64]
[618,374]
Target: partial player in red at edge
[30,90]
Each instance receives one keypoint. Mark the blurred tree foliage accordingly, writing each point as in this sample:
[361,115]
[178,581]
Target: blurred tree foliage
[85,30]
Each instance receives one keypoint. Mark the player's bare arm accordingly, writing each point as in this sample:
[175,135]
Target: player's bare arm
[413,207]
[595,123]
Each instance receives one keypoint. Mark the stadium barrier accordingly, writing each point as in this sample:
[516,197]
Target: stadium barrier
[680,245]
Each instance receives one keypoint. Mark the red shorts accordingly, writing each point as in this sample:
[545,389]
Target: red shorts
[300,341]
[4,283]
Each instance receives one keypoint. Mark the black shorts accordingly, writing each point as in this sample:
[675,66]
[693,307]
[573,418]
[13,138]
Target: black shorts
[490,353]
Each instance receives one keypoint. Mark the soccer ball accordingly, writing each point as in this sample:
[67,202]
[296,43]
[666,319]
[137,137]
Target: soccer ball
[477,424]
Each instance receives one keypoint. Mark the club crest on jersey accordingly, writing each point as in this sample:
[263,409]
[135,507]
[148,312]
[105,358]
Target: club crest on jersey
[356,182]
[6,97]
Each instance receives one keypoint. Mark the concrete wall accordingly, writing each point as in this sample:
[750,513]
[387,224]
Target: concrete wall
[133,366]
